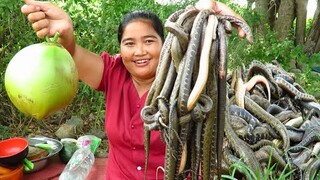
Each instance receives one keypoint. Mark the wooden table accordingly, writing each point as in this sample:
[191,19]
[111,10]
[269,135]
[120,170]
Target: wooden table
[55,167]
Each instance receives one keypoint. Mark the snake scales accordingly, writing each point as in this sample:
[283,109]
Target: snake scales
[258,114]
[188,99]
[282,129]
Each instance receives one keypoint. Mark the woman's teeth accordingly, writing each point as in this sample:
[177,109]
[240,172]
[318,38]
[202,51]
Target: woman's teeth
[141,61]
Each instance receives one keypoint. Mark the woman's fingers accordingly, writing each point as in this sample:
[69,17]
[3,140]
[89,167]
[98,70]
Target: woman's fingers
[241,33]
[40,24]
[222,9]
[47,8]
[39,4]
[42,33]
[36,16]
[27,9]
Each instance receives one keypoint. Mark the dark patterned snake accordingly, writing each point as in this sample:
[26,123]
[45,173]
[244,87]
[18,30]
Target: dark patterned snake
[210,119]
[188,99]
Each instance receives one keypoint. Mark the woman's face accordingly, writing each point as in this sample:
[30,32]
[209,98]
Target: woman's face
[140,49]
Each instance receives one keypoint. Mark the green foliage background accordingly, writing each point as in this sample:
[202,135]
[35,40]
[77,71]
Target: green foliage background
[96,23]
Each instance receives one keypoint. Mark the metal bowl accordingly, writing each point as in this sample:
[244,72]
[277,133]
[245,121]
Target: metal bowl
[13,151]
[41,163]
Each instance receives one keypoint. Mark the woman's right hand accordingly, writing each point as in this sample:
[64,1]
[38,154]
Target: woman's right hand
[221,8]
[47,19]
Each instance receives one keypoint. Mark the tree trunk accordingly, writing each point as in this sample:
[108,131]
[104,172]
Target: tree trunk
[262,10]
[249,4]
[313,37]
[317,47]
[284,22]
[273,11]
[301,14]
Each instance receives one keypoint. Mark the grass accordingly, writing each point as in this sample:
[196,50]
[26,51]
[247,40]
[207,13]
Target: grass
[249,174]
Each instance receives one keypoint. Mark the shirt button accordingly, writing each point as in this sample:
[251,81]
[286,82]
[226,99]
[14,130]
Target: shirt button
[139,168]
[133,148]
[138,106]
[132,126]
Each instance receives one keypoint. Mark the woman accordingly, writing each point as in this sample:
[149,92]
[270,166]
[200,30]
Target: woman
[125,78]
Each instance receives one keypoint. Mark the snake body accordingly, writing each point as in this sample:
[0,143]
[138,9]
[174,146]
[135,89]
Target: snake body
[190,110]
[293,90]
[266,117]
[204,128]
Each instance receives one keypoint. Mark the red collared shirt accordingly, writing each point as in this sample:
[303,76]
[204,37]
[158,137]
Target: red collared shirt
[124,126]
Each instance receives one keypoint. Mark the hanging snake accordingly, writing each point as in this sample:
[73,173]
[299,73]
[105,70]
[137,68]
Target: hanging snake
[189,92]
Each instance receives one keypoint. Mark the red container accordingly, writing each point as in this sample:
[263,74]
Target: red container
[13,151]
[16,174]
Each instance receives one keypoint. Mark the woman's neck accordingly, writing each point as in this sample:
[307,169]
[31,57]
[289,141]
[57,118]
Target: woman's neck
[143,85]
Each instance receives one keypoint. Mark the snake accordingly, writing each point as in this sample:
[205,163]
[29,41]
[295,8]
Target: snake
[164,60]
[191,54]
[255,109]
[194,44]
[293,90]
[156,85]
[204,63]
[184,108]
[242,150]
[244,26]
[181,30]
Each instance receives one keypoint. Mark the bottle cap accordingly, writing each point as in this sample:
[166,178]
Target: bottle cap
[89,141]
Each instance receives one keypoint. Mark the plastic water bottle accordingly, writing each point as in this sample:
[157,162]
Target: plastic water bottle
[81,162]
[79,166]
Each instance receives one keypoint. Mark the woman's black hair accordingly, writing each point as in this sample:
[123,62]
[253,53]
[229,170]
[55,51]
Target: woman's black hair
[145,15]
